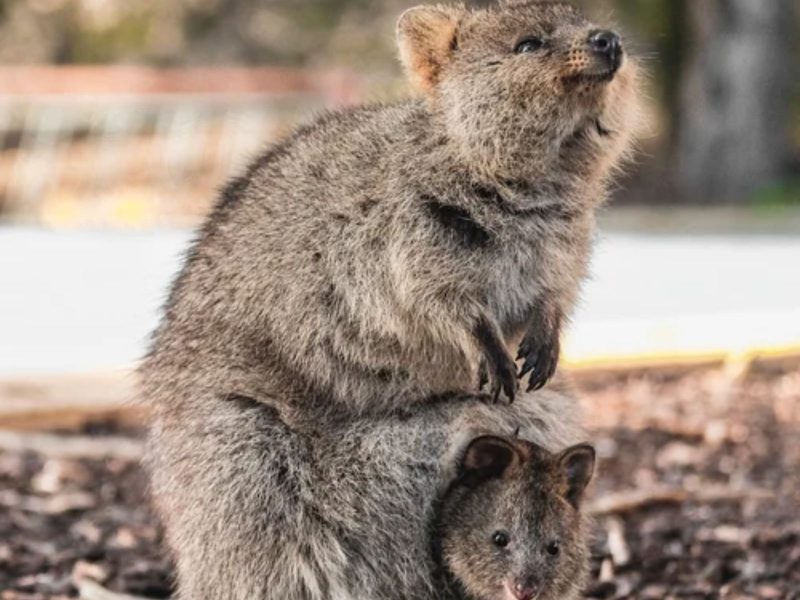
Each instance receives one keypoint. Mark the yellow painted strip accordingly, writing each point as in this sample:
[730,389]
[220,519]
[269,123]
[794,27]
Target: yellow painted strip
[676,356]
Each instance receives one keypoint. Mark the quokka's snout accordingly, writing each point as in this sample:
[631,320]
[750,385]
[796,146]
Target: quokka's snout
[596,56]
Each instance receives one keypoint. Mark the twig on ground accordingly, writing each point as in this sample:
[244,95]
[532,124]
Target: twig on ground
[53,505]
[41,403]
[617,546]
[68,446]
[636,499]
[90,590]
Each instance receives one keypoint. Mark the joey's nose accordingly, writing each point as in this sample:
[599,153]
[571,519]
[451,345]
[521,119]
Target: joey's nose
[525,591]
[606,43]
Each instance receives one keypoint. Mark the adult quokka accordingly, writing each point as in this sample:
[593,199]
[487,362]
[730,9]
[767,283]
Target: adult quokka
[452,499]
[388,253]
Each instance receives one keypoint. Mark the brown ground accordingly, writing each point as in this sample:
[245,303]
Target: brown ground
[698,496]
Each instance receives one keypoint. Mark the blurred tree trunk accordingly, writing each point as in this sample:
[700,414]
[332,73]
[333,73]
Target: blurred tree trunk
[735,96]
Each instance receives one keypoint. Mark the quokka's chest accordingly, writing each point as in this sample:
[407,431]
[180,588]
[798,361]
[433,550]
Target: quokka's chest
[513,281]
[529,263]
[510,254]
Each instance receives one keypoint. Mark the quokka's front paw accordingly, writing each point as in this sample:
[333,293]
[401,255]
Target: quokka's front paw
[500,373]
[540,353]
[496,366]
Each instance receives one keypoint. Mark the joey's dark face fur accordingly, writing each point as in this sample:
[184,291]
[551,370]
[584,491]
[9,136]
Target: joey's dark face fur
[517,83]
[512,526]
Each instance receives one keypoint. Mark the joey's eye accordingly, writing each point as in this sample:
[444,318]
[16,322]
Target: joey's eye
[500,539]
[553,548]
[528,45]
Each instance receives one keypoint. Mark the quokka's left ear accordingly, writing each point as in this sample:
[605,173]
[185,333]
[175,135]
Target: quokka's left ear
[426,36]
[489,457]
[577,465]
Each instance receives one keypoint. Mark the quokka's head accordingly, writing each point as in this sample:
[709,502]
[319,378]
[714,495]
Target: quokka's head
[523,81]
[510,525]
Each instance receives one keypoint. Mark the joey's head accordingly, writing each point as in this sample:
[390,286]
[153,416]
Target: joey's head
[511,527]
[523,87]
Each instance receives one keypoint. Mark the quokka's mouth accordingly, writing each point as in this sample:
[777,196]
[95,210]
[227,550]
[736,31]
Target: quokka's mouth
[600,77]
[602,131]
[600,73]
[510,593]
[590,80]
[585,129]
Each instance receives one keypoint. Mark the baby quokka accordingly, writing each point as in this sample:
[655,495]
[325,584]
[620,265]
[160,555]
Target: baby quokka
[511,527]
[388,253]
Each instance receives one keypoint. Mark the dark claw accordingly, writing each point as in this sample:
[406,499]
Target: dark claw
[511,388]
[483,375]
[504,381]
[496,392]
[530,364]
[502,371]
[536,386]
[541,361]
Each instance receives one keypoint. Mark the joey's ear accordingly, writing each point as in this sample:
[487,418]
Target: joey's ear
[426,36]
[489,457]
[577,465]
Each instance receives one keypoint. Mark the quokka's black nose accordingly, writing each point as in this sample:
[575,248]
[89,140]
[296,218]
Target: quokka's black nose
[606,43]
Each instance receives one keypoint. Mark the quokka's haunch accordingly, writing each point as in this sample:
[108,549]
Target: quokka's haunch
[452,499]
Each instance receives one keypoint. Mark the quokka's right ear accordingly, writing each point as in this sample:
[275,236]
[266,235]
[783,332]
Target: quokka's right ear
[427,37]
[577,465]
[489,457]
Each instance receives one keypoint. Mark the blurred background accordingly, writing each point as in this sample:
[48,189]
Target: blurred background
[119,120]
[130,114]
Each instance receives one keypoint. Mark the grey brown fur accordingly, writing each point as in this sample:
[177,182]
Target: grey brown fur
[385,254]
[374,259]
[262,505]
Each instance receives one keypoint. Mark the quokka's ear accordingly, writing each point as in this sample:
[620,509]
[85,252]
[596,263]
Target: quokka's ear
[489,457]
[427,36]
[577,465]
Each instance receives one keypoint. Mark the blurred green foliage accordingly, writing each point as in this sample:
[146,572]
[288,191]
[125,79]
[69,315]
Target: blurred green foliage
[780,195]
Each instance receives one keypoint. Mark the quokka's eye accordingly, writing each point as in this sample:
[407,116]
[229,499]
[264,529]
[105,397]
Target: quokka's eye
[528,45]
[500,539]
[553,548]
